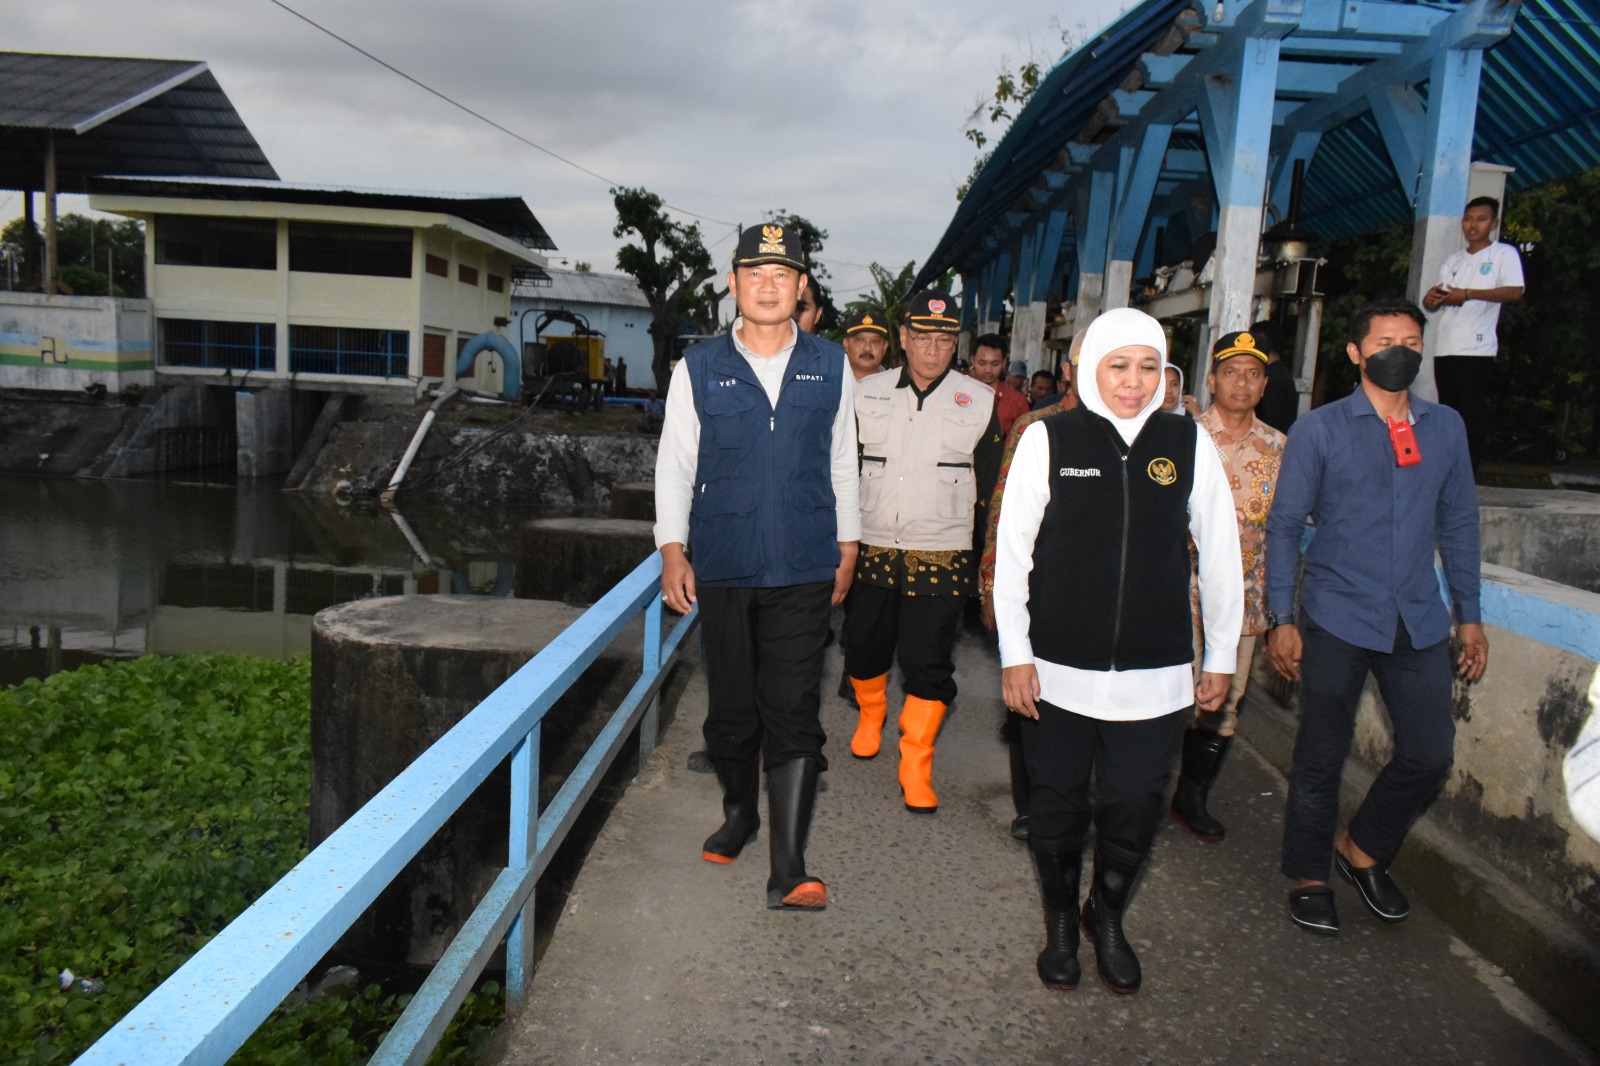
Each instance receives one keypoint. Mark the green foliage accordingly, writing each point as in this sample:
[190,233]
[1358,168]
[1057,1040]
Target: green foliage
[1012,90]
[669,261]
[82,244]
[143,805]
[888,303]
[1549,376]
[811,237]
[1548,370]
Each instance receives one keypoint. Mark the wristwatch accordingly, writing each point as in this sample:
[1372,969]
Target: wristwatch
[1274,621]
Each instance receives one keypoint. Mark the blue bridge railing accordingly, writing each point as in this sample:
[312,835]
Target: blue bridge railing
[215,1001]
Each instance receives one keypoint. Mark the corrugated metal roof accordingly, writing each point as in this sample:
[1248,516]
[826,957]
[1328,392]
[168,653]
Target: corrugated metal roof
[116,115]
[585,287]
[1538,112]
[508,216]
[1057,111]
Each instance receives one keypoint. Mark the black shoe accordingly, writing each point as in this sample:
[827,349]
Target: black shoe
[847,691]
[1115,868]
[1202,758]
[1378,890]
[1060,865]
[1312,909]
[741,810]
[700,762]
[1019,827]
[791,794]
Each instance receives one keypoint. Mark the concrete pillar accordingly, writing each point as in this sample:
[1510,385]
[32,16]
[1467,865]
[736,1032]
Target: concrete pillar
[390,676]
[578,560]
[263,429]
[1236,119]
[1442,192]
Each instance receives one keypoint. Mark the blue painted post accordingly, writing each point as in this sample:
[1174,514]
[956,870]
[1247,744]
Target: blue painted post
[1137,189]
[1442,193]
[1236,114]
[650,724]
[521,846]
[1028,331]
[1093,228]
[994,296]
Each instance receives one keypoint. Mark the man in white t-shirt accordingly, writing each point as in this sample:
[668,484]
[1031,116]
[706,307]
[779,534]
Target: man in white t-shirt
[1473,283]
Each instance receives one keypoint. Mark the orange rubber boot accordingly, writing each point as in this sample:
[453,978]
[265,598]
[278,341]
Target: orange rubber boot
[919,725]
[872,696]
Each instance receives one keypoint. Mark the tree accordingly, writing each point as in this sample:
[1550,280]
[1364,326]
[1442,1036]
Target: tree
[889,302]
[82,245]
[669,262]
[582,267]
[811,237]
[1012,90]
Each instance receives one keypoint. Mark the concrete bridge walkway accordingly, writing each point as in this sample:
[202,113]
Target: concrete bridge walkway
[926,952]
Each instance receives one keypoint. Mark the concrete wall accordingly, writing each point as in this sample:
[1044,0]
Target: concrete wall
[68,343]
[1501,855]
[1550,534]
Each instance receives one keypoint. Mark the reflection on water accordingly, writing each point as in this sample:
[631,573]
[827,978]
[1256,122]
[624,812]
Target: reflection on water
[91,570]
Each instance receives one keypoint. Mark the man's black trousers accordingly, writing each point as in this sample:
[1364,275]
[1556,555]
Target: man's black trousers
[881,625]
[764,671]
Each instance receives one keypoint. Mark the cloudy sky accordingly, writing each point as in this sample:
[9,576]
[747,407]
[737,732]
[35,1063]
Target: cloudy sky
[847,112]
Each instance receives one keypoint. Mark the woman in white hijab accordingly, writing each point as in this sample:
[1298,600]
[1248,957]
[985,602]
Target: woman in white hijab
[1092,604]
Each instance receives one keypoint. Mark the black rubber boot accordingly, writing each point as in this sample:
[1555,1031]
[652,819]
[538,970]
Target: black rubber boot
[791,792]
[1115,868]
[1202,758]
[1060,864]
[1020,786]
[741,809]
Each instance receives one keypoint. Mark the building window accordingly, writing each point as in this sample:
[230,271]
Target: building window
[374,353]
[329,248]
[218,345]
[467,275]
[195,240]
[497,283]
[437,265]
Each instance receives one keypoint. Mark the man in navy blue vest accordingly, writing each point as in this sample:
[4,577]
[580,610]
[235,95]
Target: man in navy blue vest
[757,523]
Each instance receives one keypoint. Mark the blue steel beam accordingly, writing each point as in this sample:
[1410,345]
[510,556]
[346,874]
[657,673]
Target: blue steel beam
[1479,24]
[1048,252]
[1402,120]
[1140,185]
[422,1024]
[210,1006]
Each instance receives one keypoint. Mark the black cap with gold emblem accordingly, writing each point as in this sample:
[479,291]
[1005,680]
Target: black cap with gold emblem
[1231,344]
[865,322]
[934,311]
[769,243]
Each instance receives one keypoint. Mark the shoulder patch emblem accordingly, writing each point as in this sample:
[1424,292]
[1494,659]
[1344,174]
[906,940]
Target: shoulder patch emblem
[1162,471]
[963,400]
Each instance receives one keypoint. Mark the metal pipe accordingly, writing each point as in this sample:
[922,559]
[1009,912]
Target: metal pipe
[386,497]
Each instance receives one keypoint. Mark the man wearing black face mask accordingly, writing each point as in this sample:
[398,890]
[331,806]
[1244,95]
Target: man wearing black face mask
[1387,479]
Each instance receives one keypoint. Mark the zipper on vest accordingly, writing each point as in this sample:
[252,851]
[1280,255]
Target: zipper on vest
[772,424]
[1122,568]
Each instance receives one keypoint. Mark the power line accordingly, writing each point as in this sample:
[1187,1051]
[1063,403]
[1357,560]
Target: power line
[480,117]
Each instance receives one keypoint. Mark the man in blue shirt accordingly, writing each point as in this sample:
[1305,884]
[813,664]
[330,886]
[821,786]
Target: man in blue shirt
[1386,479]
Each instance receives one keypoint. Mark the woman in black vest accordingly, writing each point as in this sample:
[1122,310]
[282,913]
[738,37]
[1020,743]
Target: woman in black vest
[1092,603]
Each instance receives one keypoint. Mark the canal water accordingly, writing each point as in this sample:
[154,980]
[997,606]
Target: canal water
[96,570]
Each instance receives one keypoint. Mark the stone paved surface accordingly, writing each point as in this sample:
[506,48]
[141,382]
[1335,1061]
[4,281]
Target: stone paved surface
[926,953]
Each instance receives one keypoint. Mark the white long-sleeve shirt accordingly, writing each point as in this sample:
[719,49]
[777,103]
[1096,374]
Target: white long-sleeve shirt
[1118,695]
[679,452]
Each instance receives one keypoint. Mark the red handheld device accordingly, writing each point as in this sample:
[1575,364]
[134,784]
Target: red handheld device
[1406,452]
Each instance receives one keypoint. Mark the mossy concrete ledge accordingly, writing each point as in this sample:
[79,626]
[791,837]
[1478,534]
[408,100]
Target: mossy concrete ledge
[390,676]
[634,499]
[578,560]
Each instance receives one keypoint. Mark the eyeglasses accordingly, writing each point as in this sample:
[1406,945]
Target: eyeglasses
[941,342]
